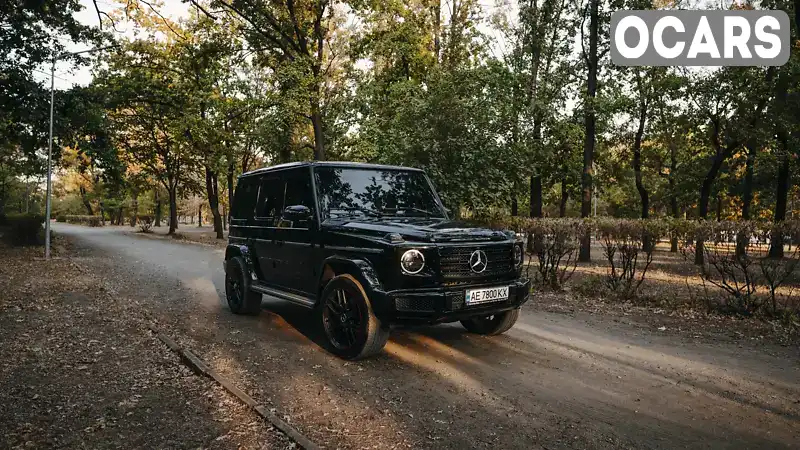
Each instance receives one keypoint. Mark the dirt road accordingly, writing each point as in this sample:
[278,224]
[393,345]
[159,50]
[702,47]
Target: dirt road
[554,381]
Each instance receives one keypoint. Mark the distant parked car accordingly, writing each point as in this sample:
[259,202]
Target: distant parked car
[367,247]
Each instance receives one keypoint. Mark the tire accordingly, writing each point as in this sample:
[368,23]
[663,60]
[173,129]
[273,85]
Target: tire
[492,325]
[350,327]
[241,300]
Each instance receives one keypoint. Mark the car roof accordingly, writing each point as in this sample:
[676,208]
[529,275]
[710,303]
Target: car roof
[342,164]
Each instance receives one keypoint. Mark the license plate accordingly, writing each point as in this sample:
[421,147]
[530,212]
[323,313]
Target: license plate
[486,295]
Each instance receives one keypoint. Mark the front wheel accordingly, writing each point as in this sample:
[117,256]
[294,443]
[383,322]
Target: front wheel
[493,324]
[351,328]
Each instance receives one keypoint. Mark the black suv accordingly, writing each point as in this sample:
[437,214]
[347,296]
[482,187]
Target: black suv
[367,247]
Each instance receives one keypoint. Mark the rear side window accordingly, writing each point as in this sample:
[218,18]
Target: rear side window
[298,190]
[270,197]
[244,200]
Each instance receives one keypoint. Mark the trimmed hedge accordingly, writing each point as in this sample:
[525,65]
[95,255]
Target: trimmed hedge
[24,229]
[92,221]
[748,275]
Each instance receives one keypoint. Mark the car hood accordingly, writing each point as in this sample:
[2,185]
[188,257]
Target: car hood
[424,230]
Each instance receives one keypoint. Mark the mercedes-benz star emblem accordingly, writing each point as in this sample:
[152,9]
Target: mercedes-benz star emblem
[477,261]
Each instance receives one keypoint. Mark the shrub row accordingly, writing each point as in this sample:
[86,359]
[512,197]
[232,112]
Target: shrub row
[92,221]
[736,258]
[23,229]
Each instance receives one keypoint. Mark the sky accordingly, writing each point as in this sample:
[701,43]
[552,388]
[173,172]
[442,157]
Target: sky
[67,74]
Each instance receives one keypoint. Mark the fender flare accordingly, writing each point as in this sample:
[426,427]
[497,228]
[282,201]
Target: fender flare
[360,268]
[234,250]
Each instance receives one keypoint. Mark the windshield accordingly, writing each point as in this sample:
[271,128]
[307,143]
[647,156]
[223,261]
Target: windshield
[375,192]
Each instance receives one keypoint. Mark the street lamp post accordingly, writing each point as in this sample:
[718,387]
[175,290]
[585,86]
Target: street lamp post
[50,144]
[49,168]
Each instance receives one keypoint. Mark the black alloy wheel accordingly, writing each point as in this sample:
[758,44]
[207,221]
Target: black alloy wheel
[350,326]
[241,299]
[342,319]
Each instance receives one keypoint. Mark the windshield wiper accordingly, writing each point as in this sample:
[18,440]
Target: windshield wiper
[411,208]
[366,211]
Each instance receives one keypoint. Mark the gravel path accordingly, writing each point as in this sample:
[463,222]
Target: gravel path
[554,381]
[80,369]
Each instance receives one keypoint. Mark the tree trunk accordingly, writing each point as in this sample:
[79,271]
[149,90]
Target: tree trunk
[776,239]
[437,26]
[589,123]
[135,212]
[719,206]
[85,200]
[156,193]
[285,152]
[199,216]
[316,122]
[562,206]
[705,197]
[536,196]
[173,209]
[637,165]
[637,170]
[231,185]
[747,195]
[514,206]
[212,190]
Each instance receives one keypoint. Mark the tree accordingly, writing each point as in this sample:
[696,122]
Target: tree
[148,115]
[592,61]
[729,106]
[293,36]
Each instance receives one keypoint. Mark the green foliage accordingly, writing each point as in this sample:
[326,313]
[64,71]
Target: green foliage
[24,229]
[92,221]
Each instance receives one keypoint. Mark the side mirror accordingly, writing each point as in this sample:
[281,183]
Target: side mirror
[297,212]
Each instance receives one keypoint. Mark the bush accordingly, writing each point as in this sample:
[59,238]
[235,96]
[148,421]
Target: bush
[551,245]
[736,261]
[61,218]
[145,223]
[554,245]
[739,274]
[628,247]
[25,229]
[92,221]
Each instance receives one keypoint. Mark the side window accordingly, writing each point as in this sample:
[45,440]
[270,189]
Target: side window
[298,192]
[244,200]
[270,198]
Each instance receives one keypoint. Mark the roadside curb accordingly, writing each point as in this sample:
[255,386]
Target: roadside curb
[201,368]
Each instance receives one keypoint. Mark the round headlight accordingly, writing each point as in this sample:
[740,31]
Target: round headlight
[518,257]
[412,262]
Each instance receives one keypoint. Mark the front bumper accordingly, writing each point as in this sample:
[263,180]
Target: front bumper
[429,306]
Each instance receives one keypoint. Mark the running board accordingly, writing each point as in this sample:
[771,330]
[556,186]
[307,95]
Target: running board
[283,295]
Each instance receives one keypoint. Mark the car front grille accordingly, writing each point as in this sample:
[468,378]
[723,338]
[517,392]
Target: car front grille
[454,263]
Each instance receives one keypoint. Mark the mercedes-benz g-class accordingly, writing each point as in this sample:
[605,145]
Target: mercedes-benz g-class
[366,247]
